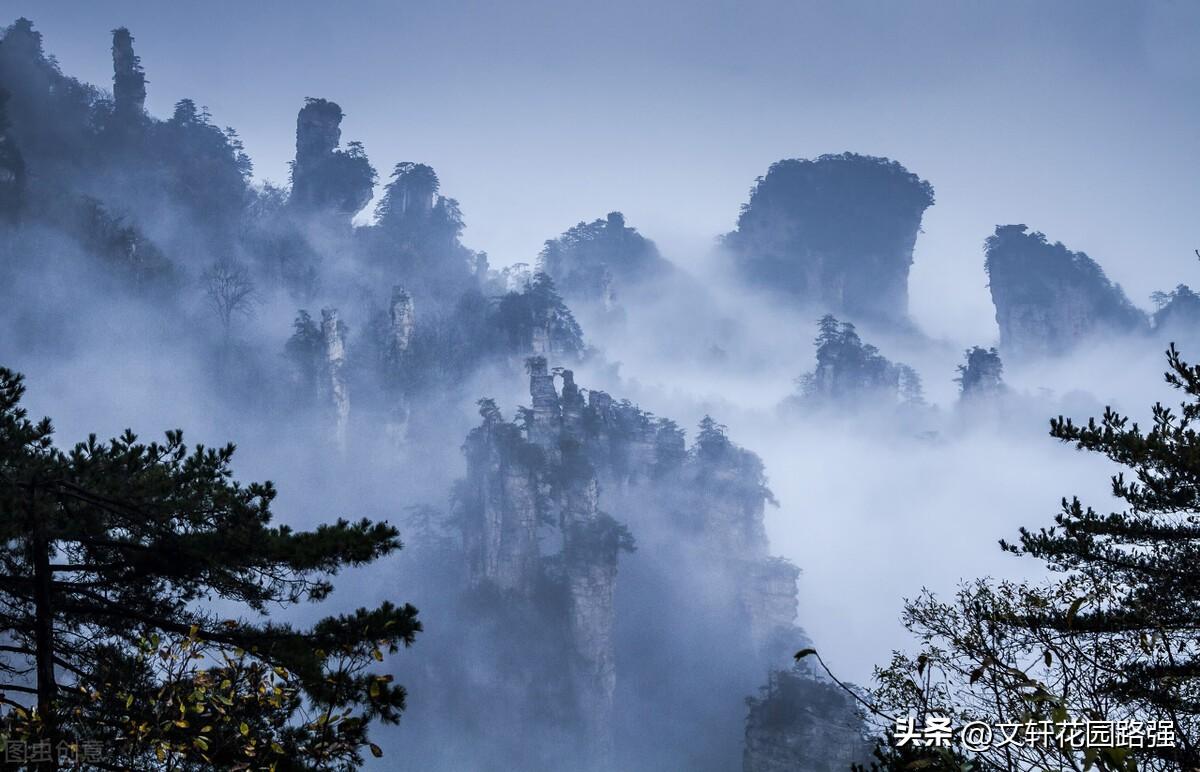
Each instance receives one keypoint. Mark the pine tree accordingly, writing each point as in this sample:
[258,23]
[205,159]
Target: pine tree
[1114,636]
[1149,554]
[112,553]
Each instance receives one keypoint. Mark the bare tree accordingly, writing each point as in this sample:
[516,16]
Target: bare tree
[230,291]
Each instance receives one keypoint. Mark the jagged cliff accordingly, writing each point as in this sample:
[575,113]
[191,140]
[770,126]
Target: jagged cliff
[1048,299]
[835,233]
[518,482]
[548,511]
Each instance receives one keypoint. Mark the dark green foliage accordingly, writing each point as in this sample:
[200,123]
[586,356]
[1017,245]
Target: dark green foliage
[417,237]
[1113,636]
[712,442]
[54,117]
[600,540]
[850,371]
[721,465]
[123,246]
[887,757]
[587,258]
[409,197]
[982,373]
[305,350]
[1148,553]
[537,320]
[1178,310]
[281,252]
[837,231]
[112,551]
[800,722]
[205,168]
[670,447]
[182,182]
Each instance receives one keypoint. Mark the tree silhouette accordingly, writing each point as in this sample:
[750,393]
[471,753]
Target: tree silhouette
[230,292]
[111,553]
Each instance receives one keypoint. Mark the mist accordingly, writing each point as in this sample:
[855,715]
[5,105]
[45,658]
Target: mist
[599,589]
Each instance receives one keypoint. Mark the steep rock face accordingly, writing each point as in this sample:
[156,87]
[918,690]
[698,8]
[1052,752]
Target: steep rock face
[317,353]
[517,482]
[504,506]
[324,177]
[129,80]
[332,387]
[592,262]
[590,549]
[397,345]
[981,375]
[836,233]
[801,724]
[769,598]
[402,321]
[12,167]
[540,546]
[1048,298]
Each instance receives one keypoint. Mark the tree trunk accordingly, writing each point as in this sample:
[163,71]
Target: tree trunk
[47,687]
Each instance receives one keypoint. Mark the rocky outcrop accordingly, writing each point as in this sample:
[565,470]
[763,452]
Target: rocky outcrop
[536,322]
[802,724]
[325,178]
[850,372]
[1178,313]
[403,320]
[503,506]
[318,357]
[592,262]
[410,196]
[398,340]
[546,426]
[1048,299]
[519,481]
[539,542]
[129,80]
[835,234]
[981,376]
[769,598]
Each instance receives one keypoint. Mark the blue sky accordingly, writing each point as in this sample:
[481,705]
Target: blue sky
[1077,118]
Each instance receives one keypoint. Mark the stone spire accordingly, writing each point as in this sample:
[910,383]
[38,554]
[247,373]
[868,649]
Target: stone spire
[325,178]
[402,320]
[129,80]
[547,414]
[333,384]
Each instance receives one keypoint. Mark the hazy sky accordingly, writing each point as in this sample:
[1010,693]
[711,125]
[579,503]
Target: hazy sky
[1079,119]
